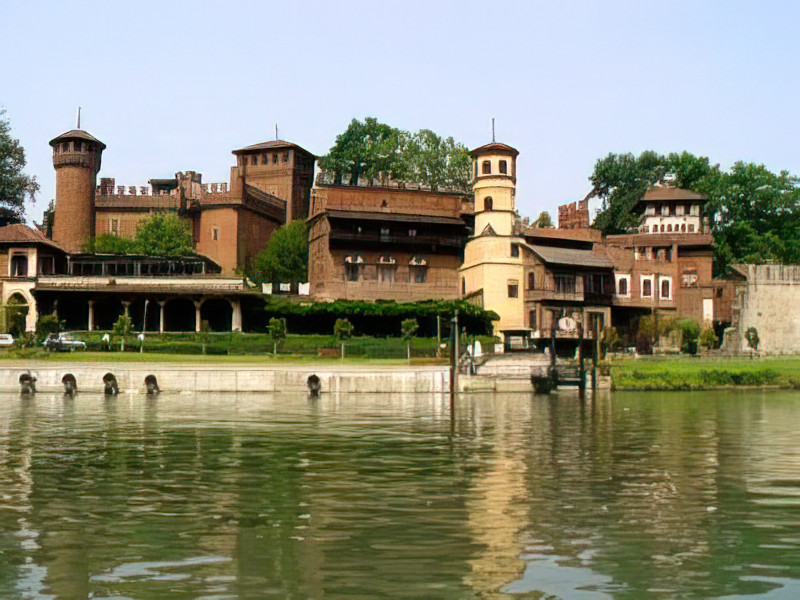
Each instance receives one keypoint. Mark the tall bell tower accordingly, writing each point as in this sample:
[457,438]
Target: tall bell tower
[493,257]
[76,159]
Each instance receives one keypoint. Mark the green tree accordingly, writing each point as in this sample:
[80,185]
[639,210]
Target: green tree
[16,188]
[376,151]
[708,339]
[609,341]
[164,234]
[690,334]
[342,331]
[285,258]
[122,327]
[107,243]
[48,324]
[544,220]
[409,328]
[366,148]
[432,160]
[47,219]
[160,234]
[277,331]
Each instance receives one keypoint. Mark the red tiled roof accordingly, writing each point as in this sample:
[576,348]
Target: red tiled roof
[79,134]
[271,145]
[494,147]
[22,234]
[671,193]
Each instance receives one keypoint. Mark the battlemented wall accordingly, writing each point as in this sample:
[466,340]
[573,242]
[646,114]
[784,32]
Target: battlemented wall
[574,215]
[768,303]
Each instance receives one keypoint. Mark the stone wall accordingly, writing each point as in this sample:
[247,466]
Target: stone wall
[228,378]
[388,200]
[769,303]
[574,215]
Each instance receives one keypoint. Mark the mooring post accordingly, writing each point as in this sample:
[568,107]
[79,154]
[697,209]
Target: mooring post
[595,350]
[581,370]
[454,364]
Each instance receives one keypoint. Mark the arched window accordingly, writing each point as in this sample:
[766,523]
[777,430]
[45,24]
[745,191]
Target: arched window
[486,167]
[669,228]
[683,227]
[488,203]
[503,167]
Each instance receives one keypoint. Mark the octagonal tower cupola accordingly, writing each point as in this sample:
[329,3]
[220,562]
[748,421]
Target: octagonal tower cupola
[494,187]
[76,159]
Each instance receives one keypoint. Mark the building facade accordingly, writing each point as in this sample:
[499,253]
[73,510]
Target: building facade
[231,222]
[385,243]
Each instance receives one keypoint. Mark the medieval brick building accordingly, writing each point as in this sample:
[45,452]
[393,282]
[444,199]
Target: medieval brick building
[386,242]
[270,185]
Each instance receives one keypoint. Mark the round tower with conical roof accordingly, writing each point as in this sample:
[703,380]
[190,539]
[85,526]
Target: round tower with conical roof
[493,267]
[76,159]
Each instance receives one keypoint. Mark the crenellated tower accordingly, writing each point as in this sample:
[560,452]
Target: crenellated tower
[76,159]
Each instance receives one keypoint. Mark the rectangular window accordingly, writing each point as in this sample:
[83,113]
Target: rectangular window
[274,158]
[386,273]
[352,271]
[513,289]
[531,281]
[503,167]
[412,233]
[264,159]
[418,274]
[514,251]
[486,167]
[647,287]
[77,145]
[65,147]
[565,284]
[215,233]
[285,157]
[384,231]
[691,227]
[113,226]
[254,159]
[532,319]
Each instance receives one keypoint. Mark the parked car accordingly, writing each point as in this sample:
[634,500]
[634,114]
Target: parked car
[63,342]
[6,340]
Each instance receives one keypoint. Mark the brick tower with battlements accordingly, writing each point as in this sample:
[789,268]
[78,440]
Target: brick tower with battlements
[76,159]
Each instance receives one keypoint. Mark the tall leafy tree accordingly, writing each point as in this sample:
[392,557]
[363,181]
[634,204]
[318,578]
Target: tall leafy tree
[285,259]
[366,148]
[376,151]
[160,234]
[435,161]
[16,188]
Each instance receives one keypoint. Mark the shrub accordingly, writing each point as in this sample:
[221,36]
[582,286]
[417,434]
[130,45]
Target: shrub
[751,335]
[708,339]
[690,334]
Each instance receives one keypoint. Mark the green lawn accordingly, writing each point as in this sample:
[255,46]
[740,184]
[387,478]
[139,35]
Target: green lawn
[698,373]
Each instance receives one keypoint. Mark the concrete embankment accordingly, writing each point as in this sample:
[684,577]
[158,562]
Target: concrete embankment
[228,377]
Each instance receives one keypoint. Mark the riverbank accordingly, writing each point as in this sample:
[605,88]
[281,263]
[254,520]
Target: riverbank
[704,373]
[197,376]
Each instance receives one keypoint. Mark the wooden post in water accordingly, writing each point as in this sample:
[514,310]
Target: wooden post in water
[581,370]
[595,351]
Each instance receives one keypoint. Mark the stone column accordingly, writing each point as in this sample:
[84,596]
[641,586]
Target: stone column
[91,315]
[126,305]
[161,304]
[236,315]
[197,320]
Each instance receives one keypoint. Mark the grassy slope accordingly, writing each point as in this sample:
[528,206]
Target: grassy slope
[688,373]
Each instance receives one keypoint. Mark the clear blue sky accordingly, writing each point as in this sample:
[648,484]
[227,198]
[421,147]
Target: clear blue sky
[172,86]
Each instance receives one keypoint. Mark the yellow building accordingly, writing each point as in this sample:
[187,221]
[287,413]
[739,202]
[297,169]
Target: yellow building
[493,271]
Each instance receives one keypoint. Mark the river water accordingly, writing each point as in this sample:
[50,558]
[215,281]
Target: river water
[223,496]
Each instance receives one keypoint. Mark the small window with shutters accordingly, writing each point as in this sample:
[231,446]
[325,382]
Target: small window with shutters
[486,167]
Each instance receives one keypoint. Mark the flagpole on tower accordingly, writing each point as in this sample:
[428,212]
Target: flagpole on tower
[493,140]
[79,117]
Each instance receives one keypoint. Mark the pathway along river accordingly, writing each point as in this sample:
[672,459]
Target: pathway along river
[209,496]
